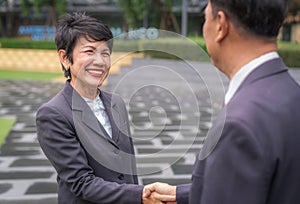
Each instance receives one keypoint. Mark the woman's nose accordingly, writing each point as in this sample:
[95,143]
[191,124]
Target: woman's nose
[98,58]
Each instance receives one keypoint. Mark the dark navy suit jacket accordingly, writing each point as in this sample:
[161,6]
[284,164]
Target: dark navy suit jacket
[252,152]
[91,167]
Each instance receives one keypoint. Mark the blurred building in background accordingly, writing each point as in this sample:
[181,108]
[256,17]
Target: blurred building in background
[36,19]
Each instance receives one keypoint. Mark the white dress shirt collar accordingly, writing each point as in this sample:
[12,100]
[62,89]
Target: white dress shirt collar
[240,76]
[98,109]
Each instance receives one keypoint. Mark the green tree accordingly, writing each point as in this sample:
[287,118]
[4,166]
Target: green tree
[53,8]
[160,11]
[134,12]
[7,27]
[294,6]
[1,27]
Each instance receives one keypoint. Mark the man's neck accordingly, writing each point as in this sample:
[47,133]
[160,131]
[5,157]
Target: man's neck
[245,53]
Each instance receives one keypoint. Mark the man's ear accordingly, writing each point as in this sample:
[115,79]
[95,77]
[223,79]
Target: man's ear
[63,58]
[222,26]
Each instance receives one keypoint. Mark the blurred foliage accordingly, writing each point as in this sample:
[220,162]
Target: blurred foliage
[290,53]
[294,6]
[174,48]
[26,44]
[125,45]
[134,11]
[54,8]
[159,12]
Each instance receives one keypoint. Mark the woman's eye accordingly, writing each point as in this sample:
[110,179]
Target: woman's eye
[106,54]
[89,51]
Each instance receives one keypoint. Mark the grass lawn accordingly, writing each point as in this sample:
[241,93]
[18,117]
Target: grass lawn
[5,126]
[28,75]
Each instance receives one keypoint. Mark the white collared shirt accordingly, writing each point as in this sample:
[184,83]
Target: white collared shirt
[98,109]
[240,76]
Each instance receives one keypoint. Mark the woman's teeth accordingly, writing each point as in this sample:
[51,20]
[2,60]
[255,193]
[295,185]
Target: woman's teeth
[95,72]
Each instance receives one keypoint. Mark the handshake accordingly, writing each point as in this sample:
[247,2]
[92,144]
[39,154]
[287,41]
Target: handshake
[159,193]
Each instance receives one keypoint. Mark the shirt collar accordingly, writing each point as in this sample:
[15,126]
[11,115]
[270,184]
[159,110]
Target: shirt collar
[244,71]
[96,101]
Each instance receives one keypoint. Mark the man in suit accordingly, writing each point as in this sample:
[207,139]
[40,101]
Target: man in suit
[252,152]
[84,131]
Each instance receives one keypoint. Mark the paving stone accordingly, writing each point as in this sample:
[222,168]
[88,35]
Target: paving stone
[182,142]
[141,142]
[28,129]
[154,170]
[13,136]
[182,169]
[168,150]
[42,188]
[159,159]
[23,162]
[24,175]
[8,151]
[4,187]
[28,119]
[30,201]
[21,144]
[171,181]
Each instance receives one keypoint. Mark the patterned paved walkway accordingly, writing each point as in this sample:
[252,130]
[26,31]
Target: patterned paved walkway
[170,104]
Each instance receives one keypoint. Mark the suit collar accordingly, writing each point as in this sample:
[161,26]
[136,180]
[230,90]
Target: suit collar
[245,70]
[269,68]
[69,92]
[112,113]
[272,67]
[83,114]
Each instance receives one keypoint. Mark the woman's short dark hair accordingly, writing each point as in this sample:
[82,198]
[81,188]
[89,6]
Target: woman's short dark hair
[73,26]
[260,17]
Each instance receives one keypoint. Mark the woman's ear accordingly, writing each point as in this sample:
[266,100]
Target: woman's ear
[222,26]
[63,59]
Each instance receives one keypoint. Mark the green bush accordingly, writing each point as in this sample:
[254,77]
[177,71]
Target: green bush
[173,48]
[290,57]
[26,44]
[125,45]
[290,53]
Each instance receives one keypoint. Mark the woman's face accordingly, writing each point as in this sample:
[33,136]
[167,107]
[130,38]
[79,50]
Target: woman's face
[91,64]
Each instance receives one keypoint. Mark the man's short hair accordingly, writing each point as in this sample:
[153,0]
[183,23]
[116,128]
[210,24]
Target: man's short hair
[260,17]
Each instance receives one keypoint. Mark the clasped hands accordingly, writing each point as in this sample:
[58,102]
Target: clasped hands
[159,193]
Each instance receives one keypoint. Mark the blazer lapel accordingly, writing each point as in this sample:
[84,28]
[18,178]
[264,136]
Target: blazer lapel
[83,114]
[269,68]
[112,113]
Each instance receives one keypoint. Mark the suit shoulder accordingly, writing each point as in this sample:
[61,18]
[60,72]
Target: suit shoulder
[58,102]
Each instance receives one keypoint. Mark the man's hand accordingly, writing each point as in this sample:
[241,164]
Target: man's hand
[159,193]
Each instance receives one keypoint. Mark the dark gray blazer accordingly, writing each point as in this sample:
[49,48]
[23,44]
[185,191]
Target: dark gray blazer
[257,157]
[91,167]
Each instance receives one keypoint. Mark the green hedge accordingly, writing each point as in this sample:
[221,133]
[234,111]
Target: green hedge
[26,44]
[290,53]
[173,48]
[125,46]
[170,48]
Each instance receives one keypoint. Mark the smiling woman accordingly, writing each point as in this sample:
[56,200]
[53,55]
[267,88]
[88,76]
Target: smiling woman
[5,126]
[84,130]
